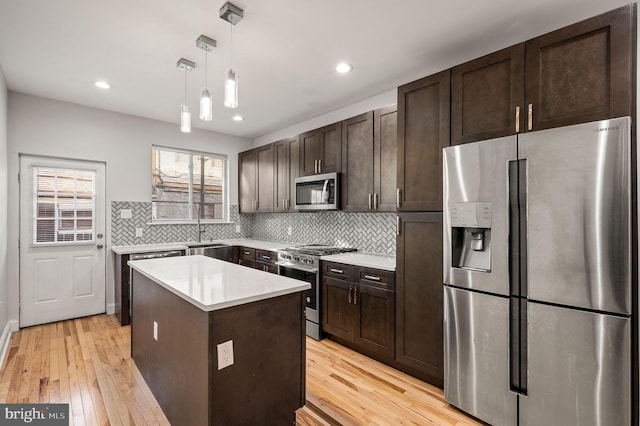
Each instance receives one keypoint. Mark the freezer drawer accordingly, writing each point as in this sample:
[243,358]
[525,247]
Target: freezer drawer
[579,368]
[476,356]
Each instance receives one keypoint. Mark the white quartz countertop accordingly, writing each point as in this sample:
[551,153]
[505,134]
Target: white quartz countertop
[212,284]
[377,261]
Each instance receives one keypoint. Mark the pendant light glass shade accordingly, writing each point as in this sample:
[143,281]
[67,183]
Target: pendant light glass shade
[231,90]
[206,106]
[185,118]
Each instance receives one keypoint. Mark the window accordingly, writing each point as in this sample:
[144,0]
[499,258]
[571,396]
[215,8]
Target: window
[187,184]
[65,204]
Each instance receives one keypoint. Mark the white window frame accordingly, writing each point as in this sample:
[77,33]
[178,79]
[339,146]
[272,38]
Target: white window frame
[225,187]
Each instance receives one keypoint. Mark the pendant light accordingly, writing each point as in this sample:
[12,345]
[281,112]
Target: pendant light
[206,103]
[232,14]
[185,111]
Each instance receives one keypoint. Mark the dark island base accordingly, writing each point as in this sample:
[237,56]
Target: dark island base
[266,383]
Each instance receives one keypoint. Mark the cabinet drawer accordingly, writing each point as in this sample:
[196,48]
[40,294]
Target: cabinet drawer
[376,278]
[266,256]
[247,262]
[337,270]
[247,253]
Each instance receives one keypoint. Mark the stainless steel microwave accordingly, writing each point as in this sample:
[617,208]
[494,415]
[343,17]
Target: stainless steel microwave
[318,192]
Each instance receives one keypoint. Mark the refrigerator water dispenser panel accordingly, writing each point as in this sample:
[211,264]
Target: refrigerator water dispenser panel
[471,236]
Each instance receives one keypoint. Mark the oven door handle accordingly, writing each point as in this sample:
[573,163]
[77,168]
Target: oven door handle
[297,267]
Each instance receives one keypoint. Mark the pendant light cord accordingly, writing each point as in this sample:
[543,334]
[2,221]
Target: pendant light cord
[206,54]
[231,43]
[185,86]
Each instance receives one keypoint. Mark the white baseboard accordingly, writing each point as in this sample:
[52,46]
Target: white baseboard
[5,339]
[111,308]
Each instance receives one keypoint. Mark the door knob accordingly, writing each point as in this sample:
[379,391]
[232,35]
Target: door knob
[99,236]
[100,246]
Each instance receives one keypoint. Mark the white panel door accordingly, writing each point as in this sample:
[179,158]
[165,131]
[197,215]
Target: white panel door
[62,244]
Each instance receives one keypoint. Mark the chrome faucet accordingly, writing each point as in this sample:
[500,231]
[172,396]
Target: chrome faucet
[200,230]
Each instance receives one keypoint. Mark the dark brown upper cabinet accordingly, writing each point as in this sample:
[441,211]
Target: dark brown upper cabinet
[576,74]
[385,150]
[264,183]
[487,96]
[357,163]
[247,189]
[255,179]
[320,150]
[423,130]
[286,170]
[369,151]
[582,72]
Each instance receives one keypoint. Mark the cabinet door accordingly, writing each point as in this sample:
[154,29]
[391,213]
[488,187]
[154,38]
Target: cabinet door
[583,72]
[294,167]
[419,310]
[357,167]
[338,314]
[265,194]
[331,158]
[320,150]
[487,95]
[423,130]
[385,149]
[247,169]
[310,151]
[281,175]
[375,320]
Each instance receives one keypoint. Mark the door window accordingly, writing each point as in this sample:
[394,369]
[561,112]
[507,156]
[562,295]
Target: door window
[64,205]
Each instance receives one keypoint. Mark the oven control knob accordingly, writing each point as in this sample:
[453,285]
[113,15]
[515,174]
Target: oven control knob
[309,260]
[296,258]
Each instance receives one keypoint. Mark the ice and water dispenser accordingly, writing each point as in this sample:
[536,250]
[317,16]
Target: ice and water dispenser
[471,236]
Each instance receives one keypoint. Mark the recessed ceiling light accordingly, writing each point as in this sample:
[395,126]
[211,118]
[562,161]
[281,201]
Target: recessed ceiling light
[238,118]
[344,68]
[102,84]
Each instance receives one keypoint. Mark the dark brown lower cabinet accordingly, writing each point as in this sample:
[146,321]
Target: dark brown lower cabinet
[121,288]
[358,308]
[264,260]
[419,313]
[264,385]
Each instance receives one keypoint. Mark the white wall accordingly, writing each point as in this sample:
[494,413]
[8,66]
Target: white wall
[4,206]
[379,101]
[40,126]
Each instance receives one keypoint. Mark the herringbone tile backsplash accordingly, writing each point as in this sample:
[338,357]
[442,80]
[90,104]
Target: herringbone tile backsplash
[368,232]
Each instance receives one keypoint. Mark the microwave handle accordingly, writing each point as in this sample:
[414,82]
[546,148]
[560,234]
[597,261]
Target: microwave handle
[325,194]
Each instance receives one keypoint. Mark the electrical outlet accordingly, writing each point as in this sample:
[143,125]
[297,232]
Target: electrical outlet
[289,231]
[138,232]
[238,229]
[125,213]
[155,330]
[225,354]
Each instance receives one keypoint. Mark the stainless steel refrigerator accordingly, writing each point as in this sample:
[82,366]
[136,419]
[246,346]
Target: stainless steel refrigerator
[537,274]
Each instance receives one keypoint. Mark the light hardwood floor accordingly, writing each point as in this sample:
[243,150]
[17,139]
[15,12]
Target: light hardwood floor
[86,362]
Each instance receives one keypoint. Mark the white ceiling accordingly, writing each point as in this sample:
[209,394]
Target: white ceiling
[284,50]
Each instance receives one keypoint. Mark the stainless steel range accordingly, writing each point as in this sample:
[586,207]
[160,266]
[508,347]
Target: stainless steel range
[303,263]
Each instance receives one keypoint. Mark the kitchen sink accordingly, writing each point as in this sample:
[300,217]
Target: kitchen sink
[215,250]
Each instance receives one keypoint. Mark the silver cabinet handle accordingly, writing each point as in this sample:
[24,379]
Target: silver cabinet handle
[370,207]
[398,198]
[517,119]
[372,277]
[350,299]
[530,117]
[320,166]
[355,295]
[266,257]
[398,225]
[247,253]
[315,166]
[337,271]
[375,200]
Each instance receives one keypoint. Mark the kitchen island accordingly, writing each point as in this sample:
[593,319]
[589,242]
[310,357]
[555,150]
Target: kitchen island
[219,343]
